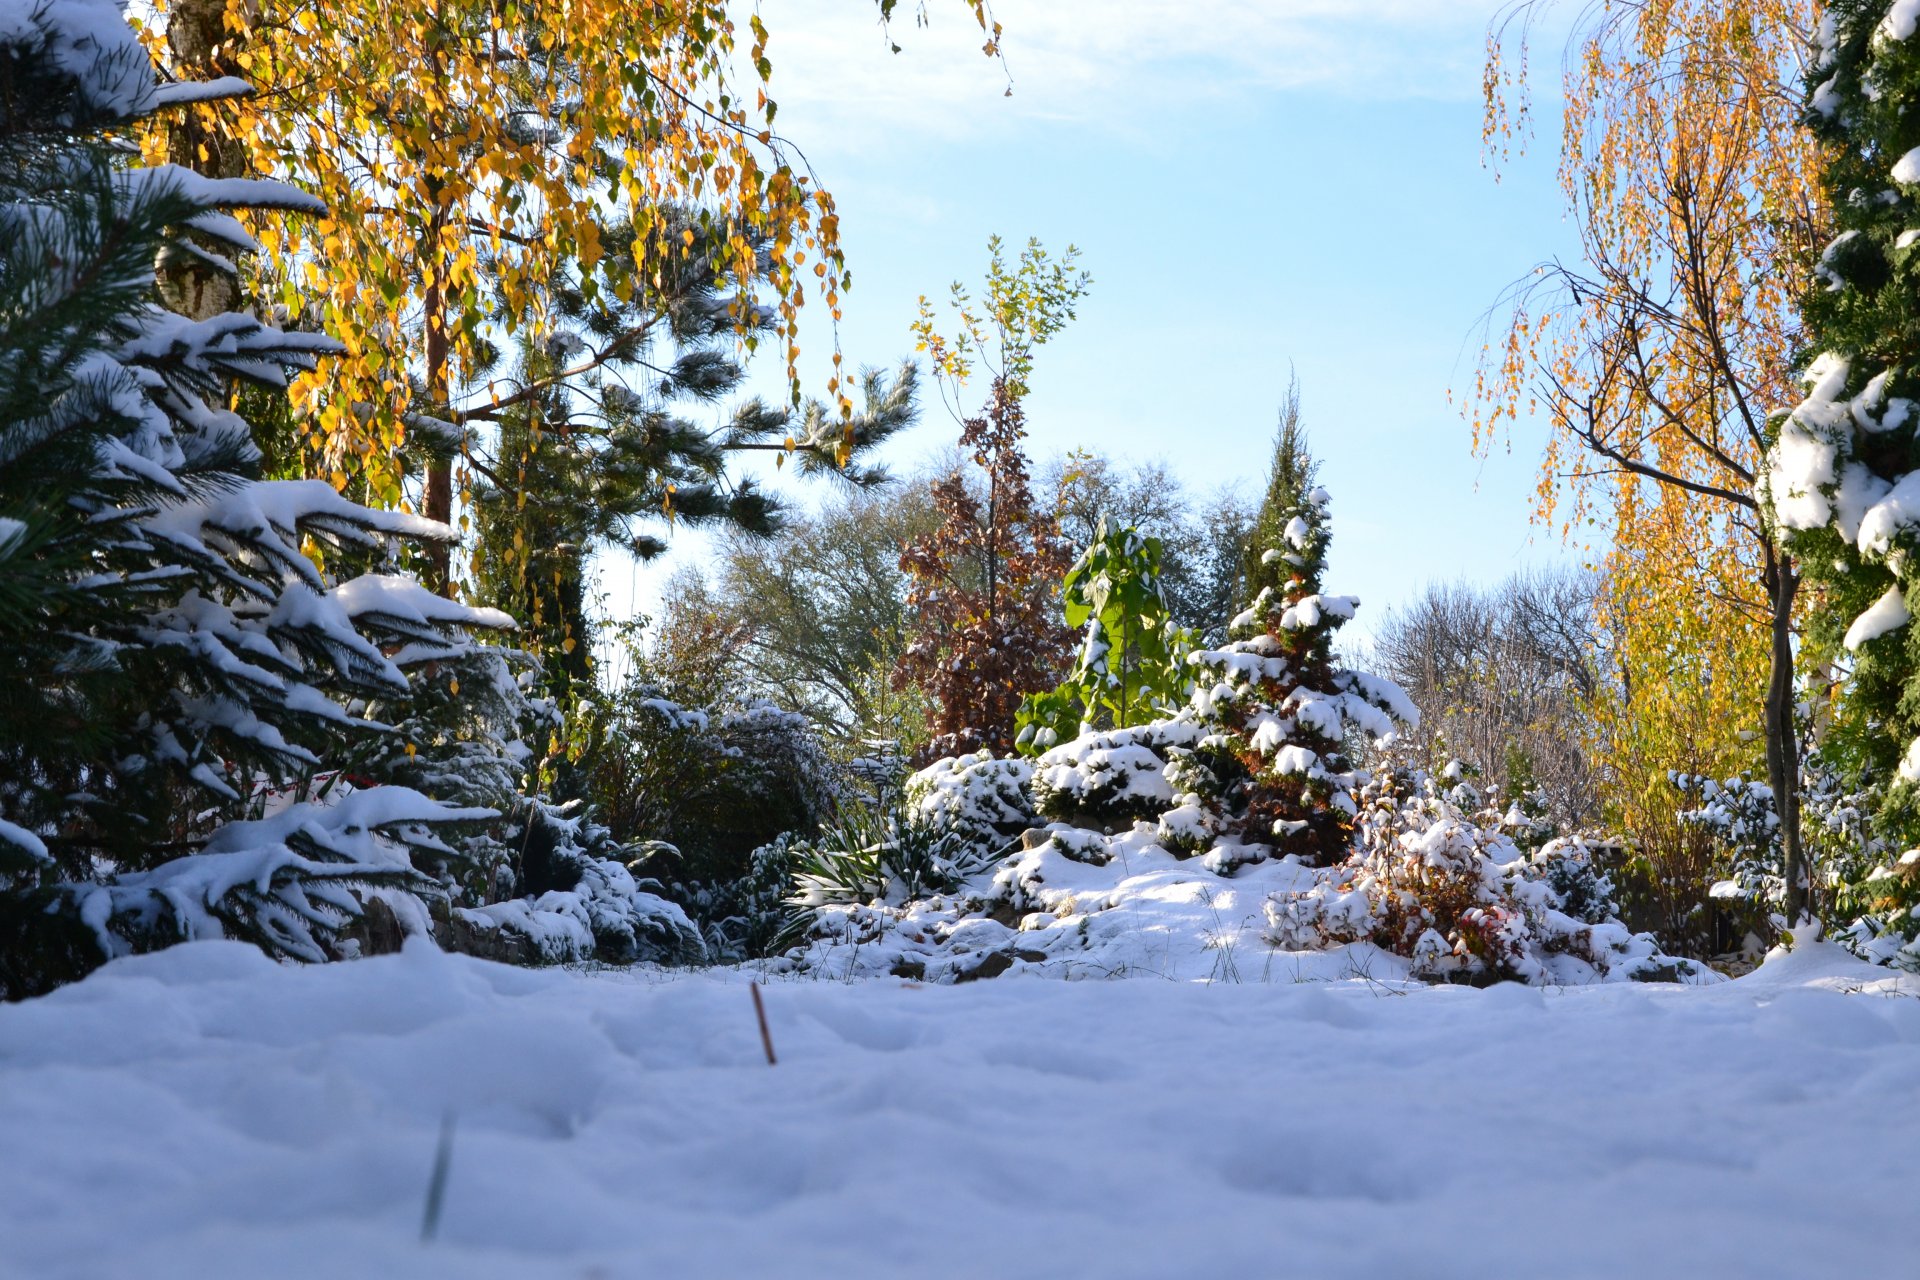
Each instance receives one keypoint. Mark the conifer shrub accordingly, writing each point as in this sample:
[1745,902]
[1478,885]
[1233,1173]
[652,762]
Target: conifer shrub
[706,786]
[985,803]
[747,917]
[570,898]
[1113,778]
[1863,884]
[1287,710]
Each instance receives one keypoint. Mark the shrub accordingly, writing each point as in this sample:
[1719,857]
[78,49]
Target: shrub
[1455,895]
[983,802]
[568,897]
[1866,892]
[1131,666]
[868,855]
[746,917]
[1104,780]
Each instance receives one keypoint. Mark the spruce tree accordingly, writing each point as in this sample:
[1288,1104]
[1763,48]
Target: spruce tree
[1844,473]
[1286,708]
[186,651]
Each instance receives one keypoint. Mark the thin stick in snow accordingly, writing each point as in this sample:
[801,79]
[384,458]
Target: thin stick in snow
[437,1182]
[760,1012]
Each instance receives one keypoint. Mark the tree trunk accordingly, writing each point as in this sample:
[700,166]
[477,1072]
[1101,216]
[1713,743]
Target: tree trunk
[198,48]
[438,498]
[1783,745]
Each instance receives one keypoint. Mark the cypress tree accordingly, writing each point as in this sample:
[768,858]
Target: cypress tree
[1287,707]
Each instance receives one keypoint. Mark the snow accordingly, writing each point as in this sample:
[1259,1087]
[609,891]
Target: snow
[24,840]
[1910,762]
[1906,170]
[289,866]
[228,193]
[90,41]
[1891,516]
[204,1112]
[1119,769]
[1826,98]
[183,93]
[1803,460]
[1823,270]
[1858,492]
[1886,614]
[403,599]
[1812,482]
[1308,611]
[1900,20]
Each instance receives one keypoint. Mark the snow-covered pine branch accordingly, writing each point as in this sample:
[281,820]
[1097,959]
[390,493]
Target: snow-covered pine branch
[183,643]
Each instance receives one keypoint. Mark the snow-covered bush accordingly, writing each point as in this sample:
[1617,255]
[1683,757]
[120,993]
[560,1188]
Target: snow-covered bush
[285,883]
[572,900]
[983,802]
[1113,778]
[705,786]
[1451,892]
[746,917]
[1739,815]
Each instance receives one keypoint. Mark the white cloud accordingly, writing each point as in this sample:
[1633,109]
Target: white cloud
[1113,63]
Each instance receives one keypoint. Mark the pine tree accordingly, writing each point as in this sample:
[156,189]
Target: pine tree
[185,647]
[1844,472]
[579,461]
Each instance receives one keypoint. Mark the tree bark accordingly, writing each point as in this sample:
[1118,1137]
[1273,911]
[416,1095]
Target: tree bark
[1783,744]
[198,47]
[438,499]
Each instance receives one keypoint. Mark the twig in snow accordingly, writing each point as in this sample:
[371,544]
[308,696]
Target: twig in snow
[760,1012]
[437,1183]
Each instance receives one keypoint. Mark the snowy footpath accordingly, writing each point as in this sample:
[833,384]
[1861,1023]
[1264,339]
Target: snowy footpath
[206,1113]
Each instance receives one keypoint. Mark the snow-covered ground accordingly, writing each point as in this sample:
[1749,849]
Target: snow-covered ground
[207,1113]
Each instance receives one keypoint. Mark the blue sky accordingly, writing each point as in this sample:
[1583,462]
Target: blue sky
[1271,183]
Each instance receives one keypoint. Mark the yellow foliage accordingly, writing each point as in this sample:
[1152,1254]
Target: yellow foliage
[470,146]
[1659,358]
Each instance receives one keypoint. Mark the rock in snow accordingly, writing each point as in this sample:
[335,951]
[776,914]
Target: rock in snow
[204,1112]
